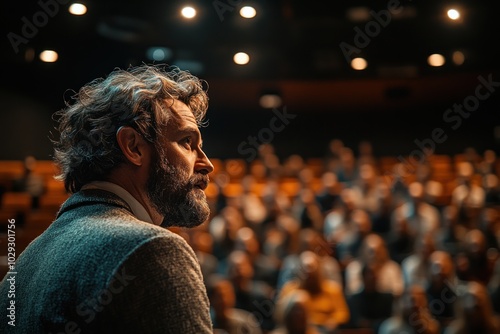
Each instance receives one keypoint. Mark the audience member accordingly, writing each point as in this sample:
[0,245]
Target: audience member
[400,239]
[310,240]
[225,317]
[451,234]
[442,287]
[411,315]
[476,262]
[474,313]
[416,266]
[329,194]
[251,295]
[327,307]
[292,315]
[421,216]
[369,307]
[375,254]
[30,182]
[467,196]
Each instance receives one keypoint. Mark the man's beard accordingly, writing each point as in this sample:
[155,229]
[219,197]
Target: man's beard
[175,195]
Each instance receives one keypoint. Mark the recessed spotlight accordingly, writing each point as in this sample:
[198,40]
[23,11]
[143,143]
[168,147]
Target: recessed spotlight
[188,12]
[48,56]
[248,12]
[436,60]
[359,64]
[241,58]
[77,9]
[453,14]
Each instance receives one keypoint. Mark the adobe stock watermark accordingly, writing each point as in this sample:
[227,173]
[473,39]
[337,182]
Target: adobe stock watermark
[372,29]
[223,6]
[452,117]
[30,27]
[278,123]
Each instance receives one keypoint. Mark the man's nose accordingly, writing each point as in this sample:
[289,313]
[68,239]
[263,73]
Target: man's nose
[203,164]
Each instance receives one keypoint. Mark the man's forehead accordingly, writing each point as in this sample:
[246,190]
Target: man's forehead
[181,111]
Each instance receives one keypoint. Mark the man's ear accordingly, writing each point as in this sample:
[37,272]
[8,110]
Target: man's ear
[133,146]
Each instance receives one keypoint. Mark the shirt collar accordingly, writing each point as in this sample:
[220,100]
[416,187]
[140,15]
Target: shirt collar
[137,208]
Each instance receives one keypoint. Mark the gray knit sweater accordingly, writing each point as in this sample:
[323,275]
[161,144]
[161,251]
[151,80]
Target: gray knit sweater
[98,269]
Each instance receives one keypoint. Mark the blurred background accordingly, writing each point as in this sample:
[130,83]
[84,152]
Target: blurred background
[299,52]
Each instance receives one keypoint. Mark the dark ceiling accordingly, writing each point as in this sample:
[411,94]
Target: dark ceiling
[295,49]
[290,42]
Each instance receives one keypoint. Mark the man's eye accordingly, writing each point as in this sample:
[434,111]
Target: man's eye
[187,141]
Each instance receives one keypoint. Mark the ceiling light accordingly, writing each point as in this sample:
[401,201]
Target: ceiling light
[248,12]
[77,9]
[453,14]
[359,64]
[270,101]
[48,56]
[241,58]
[188,12]
[458,58]
[436,60]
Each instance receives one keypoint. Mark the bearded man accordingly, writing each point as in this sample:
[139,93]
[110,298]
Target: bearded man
[130,153]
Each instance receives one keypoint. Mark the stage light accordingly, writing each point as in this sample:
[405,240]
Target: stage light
[436,60]
[48,56]
[241,58]
[248,12]
[188,12]
[359,64]
[453,14]
[77,9]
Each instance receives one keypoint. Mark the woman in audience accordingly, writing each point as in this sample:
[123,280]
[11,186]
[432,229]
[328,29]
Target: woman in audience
[327,307]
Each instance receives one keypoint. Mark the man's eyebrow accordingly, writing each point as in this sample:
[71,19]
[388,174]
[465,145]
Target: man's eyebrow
[192,131]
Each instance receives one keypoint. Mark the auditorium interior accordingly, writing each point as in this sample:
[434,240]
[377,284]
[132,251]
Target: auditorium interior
[363,136]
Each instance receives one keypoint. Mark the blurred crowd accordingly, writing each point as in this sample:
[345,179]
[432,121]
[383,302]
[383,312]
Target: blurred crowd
[405,246]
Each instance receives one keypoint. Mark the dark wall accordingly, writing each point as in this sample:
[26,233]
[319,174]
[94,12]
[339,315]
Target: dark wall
[26,126]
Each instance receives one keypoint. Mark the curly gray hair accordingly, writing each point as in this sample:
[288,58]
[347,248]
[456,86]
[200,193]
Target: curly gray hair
[139,97]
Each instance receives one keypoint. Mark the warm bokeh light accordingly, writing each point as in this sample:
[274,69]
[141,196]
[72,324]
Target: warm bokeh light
[436,60]
[241,58]
[453,14]
[77,9]
[270,101]
[48,56]
[248,12]
[458,57]
[188,12]
[359,64]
